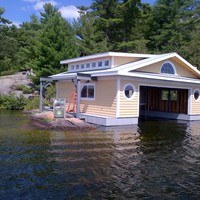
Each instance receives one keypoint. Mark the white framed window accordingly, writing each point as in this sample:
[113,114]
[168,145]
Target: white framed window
[97,64]
[106,63]
[100,64]
[168,68]
[77,67]
[88,91]
[72,67]
[129,91]
[87,65]
[196,95]
[82,66]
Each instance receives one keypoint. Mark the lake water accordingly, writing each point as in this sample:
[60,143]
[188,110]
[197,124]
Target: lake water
[157,159]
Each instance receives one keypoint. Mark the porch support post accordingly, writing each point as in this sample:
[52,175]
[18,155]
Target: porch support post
[78,89]
[41,98]
[44,82]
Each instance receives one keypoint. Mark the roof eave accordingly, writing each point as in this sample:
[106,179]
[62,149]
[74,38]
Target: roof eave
[163,78]
[106,54]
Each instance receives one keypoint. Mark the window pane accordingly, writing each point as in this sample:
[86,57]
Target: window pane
[106,63]
[93,64]
[77,66]
[164,95]
[167,68]
[196,94]
[84,92]
[90,91]
[173,95]
[88,65]
[100,64]
[128,91]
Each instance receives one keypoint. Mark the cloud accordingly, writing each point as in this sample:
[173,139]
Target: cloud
[69,12]
[17,24]
[39,5]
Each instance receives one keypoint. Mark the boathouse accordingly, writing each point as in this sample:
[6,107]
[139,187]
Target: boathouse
[115,88]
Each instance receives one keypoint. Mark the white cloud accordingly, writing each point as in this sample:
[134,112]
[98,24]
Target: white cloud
[69,12]
[39,5]
[17,24]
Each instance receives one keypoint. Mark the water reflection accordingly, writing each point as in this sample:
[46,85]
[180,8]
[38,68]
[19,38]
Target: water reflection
[154,160]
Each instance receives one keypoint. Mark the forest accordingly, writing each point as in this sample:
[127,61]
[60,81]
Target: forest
[107,25]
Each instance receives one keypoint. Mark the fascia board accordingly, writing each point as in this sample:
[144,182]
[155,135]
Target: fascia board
[63,77]
[188,64]
[163,78]
[112,73]
[95,56]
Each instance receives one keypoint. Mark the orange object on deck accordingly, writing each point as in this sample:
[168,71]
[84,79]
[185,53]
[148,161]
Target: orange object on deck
[72,103]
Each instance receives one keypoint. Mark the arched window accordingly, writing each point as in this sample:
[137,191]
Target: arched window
[168,68]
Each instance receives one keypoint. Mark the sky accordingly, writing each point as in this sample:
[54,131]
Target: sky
[18,11]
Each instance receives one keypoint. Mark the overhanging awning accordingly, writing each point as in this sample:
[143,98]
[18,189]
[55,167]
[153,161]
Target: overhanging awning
[70,76]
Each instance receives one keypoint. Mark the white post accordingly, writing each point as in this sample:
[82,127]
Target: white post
[41,88]
[78,89]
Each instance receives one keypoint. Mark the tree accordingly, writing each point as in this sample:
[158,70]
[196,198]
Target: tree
[123,24]
[3,21]
[56,41]
[87,36]
[8,44]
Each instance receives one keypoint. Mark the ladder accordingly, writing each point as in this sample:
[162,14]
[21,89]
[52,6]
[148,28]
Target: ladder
[72,103]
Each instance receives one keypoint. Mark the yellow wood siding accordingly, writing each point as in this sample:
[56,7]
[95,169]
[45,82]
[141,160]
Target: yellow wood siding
[64,89]
[128,108]
[181,69]
[105,99]
[195,105]
[123,60]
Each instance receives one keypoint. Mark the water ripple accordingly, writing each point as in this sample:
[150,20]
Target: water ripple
[154,160]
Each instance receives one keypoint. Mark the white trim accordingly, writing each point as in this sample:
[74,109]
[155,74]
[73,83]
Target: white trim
[109,121]
[162,77]
[138,108]
[56,89]
[190,101]
[134,91]
[198,99]
[118,98]
[112,62]
[87,84]
[164,86]
[106,54]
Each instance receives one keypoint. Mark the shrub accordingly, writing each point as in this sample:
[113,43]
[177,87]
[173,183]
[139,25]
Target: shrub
[33,103]
[6,73]
[12,103]
[24,89]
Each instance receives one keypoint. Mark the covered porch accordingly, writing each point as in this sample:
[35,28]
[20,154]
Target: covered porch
[74,78]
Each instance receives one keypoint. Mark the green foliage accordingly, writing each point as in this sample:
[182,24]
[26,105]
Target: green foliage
[6,73]
[50,92]
[32,104]
[107,25]
[12,103]
[25,89]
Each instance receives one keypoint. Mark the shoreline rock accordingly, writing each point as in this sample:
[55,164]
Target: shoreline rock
[46,120]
